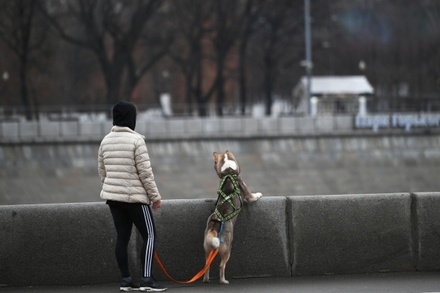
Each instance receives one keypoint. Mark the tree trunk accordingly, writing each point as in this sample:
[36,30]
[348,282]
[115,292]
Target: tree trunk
[268,86]
[242,77]
[24,92]
[220,85]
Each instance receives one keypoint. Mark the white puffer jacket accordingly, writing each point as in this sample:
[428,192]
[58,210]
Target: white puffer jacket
[125,168]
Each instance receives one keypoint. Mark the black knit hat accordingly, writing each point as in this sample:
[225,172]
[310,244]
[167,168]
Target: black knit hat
[124,114]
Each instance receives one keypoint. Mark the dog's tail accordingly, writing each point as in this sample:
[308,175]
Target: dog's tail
[211,239]
[215,242]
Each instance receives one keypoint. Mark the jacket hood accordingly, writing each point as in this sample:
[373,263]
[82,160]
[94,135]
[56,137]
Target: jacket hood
[124,114]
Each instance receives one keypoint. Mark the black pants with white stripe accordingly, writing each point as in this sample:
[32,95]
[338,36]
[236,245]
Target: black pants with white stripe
[124,216]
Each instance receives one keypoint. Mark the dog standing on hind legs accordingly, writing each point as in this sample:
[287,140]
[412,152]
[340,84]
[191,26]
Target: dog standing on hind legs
[232,191]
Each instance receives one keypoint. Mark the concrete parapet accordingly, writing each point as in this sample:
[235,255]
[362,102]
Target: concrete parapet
[10,130]
[73,244]
[261,244]
[325,123]
[76,130]
[28,129]
[50,130]
[90,130]
[426,207]
[351,234]
[175,128]
[260,241]
[57,244]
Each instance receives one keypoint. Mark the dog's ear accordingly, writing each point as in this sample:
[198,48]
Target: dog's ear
[231,155]
[215,156]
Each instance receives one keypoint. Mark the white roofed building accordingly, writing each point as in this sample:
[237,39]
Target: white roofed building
[333,95]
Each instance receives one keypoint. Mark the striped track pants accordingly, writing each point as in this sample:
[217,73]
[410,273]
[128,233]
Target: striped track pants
[124,216]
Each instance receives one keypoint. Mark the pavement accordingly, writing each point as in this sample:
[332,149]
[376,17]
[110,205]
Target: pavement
[411,282]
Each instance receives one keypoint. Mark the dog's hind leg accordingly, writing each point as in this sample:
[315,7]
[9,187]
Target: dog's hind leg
[211,242]
[225,258]
[206,275]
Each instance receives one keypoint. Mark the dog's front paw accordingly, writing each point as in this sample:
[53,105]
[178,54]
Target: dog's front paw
[254,197]
[257,195]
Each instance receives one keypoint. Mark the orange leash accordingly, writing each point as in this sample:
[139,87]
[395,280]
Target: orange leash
[211,257]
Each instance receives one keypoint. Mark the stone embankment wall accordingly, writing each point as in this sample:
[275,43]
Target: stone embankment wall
[62,172]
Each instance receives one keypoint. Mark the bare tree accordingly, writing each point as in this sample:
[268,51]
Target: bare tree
[113,30]
[189,18]
[228,21]
[23,34]
[274,43]
[209,31]
[251,14]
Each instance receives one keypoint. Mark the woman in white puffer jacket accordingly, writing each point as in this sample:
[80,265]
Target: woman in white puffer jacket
[129,187]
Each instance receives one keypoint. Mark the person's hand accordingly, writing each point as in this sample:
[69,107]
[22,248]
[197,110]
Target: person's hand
[156,205]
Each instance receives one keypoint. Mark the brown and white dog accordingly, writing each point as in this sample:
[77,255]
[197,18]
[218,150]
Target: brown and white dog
[220,226]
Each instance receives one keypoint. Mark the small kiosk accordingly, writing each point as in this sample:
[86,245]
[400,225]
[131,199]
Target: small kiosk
[330,95]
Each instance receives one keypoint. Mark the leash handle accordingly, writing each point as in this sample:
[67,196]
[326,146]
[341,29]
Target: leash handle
[197,276]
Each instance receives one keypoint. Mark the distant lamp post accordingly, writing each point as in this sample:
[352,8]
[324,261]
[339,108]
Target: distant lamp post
[362,111]
[308,62]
